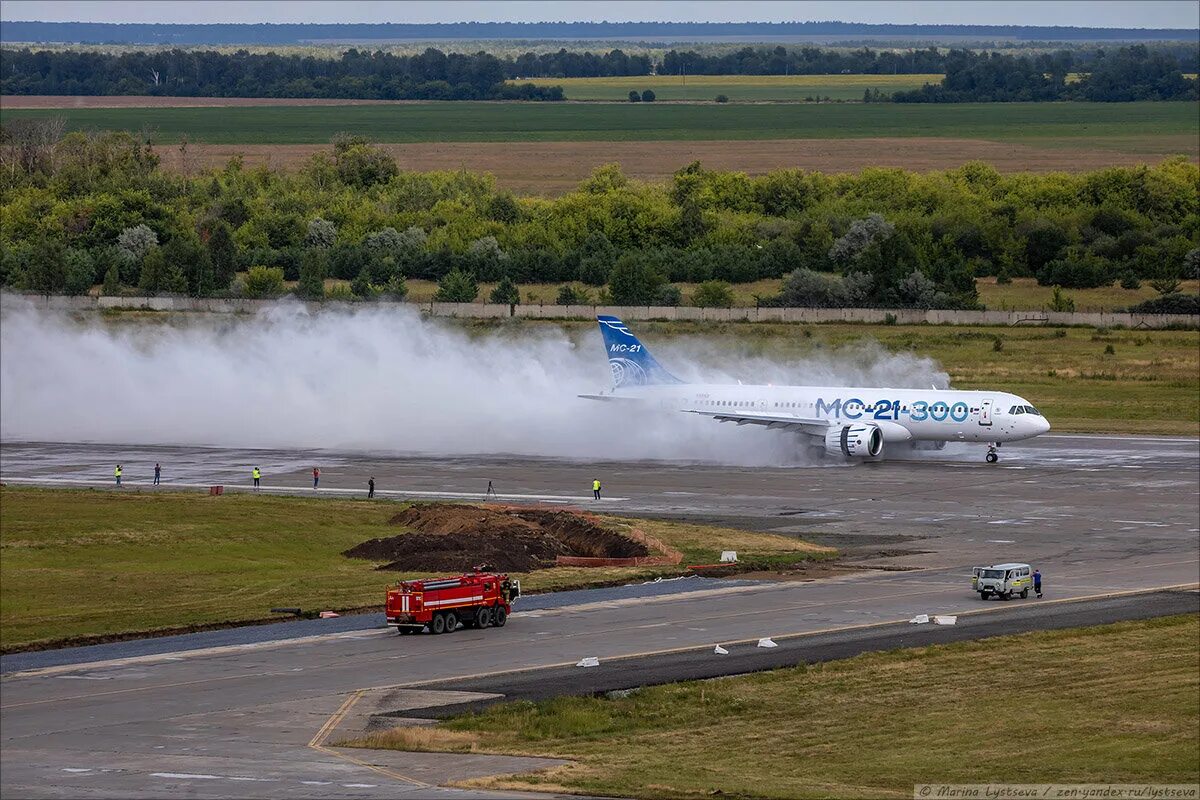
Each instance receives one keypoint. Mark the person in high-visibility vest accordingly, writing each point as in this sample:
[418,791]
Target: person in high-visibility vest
[257,475]
[596,488]
[117,474]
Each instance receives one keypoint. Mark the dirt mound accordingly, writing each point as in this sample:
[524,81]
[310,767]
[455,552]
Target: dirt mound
[454,538]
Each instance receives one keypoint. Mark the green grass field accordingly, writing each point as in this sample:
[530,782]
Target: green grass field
[80,563]
[738,88]
[1059,707]
[1063,123]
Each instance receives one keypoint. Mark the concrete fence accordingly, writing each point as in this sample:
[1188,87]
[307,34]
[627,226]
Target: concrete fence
[901,316]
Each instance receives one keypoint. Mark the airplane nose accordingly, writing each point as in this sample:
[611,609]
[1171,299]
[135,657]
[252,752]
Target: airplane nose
[1043,425]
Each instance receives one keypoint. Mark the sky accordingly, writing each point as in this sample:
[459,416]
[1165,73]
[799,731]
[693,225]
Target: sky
[1097,13]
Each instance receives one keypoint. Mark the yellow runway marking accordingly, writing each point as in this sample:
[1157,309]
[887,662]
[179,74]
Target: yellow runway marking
[318,742]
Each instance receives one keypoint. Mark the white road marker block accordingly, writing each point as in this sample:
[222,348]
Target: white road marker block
[328,614]
[728,556]
[721,651]
[766,642]
[945,619]
[920,619]
[590,661]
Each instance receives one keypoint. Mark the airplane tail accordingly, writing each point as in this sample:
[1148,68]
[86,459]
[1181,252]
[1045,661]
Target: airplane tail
[629,360]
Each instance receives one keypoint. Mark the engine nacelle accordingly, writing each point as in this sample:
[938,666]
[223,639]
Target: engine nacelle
[854,441]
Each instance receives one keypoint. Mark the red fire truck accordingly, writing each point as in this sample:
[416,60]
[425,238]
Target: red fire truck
[478,600]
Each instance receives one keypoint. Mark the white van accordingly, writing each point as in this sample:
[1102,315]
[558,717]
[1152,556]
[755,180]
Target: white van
[1002,580]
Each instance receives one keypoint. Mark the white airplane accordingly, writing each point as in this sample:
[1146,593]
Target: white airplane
[848,421]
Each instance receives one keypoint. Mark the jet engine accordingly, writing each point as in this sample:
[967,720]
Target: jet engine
[854,441]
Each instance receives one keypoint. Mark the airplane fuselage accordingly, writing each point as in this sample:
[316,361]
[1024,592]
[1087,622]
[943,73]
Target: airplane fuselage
[933,415]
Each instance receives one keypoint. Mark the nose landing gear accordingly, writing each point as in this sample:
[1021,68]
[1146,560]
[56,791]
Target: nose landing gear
[992,456]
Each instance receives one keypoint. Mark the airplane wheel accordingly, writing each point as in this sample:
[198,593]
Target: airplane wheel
[992,458]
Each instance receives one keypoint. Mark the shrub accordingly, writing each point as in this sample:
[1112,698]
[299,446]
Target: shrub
[457,286]
[713,294]
[312,274]
[134,243]
[263,282]
[570,296]
[1129,280]
[634,97]
[807,289]
[1059,301]
[396,288]
[1109,350]
[321,233]
[648,96]
[506,292]
[361,287]
[339,292]
[722,98]
[1076,271]
[668,295]
[634,281]
[79,272]
[112,282]
[1178,303]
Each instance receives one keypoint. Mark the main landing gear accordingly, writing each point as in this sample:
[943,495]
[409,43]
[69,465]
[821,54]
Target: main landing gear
[992,456]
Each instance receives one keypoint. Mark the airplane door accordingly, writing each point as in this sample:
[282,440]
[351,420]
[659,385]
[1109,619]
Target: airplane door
[985,413]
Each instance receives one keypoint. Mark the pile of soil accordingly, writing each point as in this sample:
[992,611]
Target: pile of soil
[448,537]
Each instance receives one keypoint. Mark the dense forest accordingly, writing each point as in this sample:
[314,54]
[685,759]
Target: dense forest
[85,209]
[290,33]
[1127,73]
[432,75]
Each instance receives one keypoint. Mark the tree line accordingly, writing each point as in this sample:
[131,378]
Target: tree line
[95,208]
[431,75]
[1126,74]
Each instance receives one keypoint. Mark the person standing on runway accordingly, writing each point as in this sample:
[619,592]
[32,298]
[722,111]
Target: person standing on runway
[596,489]
[157,473]
[117,475]
[316,477]
[256,474]
[370,488]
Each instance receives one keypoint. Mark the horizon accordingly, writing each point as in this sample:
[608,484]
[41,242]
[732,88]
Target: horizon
[1176,14]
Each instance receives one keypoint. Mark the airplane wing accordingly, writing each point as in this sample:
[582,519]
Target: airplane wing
[809,425]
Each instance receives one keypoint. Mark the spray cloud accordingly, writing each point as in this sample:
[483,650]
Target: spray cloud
[383,380]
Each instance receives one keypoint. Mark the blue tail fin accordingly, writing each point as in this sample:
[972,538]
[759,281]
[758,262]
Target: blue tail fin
[629,360]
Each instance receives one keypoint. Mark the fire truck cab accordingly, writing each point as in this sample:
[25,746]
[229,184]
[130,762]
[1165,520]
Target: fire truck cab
[477,599]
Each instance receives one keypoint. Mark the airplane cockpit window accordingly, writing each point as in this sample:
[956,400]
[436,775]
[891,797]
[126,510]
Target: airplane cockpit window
[1032,410]
[1017,410]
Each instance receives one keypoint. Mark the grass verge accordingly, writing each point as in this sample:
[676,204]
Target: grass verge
[1063,708]
[81,564]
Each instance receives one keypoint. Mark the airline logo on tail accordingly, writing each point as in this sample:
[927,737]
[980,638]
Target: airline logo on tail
[629,360]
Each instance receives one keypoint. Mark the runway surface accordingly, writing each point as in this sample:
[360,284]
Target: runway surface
[1101,516]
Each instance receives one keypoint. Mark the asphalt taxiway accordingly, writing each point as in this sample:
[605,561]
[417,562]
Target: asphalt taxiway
[1105,518]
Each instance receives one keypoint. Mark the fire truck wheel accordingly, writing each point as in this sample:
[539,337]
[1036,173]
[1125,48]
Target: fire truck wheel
[437,624]
[451,621]
[499,617]
[483,618]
